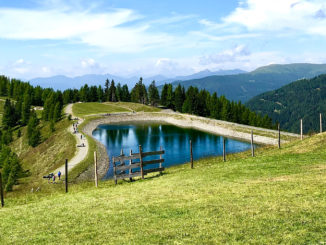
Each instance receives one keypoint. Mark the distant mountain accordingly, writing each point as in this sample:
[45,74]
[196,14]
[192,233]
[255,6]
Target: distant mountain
[244,86]
[63,82]
[204,73]
[304,99]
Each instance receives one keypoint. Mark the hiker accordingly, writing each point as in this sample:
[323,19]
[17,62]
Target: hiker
[59,174]
[53,179]
[81,136]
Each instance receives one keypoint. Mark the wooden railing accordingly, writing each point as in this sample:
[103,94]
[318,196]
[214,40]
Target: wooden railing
[126,166]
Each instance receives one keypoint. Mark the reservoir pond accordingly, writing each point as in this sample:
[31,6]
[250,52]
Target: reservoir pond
[174,140]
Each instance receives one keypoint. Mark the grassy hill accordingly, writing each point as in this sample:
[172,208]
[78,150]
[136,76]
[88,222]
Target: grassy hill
[247,85]
[93,108]
[301,99]
[276,197]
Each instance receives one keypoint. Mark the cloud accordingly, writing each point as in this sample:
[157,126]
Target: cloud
[303,16]
[113,30]
[228,55]
[89,62]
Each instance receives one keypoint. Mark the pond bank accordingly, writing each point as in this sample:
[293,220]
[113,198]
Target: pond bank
[227,129]
[223,128]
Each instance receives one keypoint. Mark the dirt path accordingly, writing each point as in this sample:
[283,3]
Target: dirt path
[81,152]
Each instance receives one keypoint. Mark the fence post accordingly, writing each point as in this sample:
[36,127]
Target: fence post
[191,156]
[224,150]
[279,136]
[141,162]
[160,158]
[130,163]
[1,192]
[301,129]
[320,123]
[66,175]
[95,168]
[114,171]
[252,144]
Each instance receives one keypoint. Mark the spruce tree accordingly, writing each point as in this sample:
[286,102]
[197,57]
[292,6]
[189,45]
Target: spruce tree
[178,98]
[164,94]
[26,108]
[153,94]
[112,92]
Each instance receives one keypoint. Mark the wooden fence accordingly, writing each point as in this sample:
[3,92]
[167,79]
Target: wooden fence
[129,167]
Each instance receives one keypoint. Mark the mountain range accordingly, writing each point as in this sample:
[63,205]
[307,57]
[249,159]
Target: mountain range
[61,82]
[244,86]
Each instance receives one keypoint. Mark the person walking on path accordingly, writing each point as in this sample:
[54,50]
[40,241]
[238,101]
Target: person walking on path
[59,174]
[53,179]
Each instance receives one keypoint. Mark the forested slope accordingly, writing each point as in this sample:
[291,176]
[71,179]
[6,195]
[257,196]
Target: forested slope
[247,85]
[304,99]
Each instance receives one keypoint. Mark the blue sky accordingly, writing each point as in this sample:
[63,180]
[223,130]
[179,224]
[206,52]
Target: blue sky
[144,38]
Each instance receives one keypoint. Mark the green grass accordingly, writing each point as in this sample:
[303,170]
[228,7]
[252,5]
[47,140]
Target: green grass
[46,157]
[277,197]
[93,108]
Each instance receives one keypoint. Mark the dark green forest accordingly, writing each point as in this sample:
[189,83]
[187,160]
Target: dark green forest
[303,99]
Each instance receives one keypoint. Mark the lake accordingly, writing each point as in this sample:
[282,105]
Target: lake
[174,140]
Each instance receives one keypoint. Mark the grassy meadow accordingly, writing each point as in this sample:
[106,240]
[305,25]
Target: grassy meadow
[279,196]
[93,108]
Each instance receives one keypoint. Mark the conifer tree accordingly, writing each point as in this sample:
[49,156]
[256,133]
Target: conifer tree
[179,98]
[112,92]
[106,90]
[26,108]
[153,94]
[164,94]
[33,131]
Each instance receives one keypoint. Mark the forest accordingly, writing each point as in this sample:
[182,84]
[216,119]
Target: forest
[304,99]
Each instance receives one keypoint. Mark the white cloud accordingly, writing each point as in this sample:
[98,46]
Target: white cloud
[280,15]
[102,30]
[229,55]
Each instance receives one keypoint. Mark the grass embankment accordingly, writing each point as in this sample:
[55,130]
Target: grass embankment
[93,108]
[277,197]
[46,157]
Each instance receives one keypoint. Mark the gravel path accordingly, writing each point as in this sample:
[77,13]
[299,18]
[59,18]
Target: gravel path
[81,152]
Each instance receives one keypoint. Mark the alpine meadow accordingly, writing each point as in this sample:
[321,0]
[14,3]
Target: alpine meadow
[145,122]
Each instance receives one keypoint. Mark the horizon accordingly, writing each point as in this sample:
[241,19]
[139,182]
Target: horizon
[128,39]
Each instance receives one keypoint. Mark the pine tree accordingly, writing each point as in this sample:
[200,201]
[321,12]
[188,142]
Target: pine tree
[170,97]
[164,94]
[100,94]
[8,118]
[106,90]
[179,98]
[57,112]
[153,94]
[26,108]
[125,95]
[119,92]
[11,170]
[112,92]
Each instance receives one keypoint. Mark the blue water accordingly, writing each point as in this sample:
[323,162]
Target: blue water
[174,140]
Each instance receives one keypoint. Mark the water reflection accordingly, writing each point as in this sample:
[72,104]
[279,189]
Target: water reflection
[174,140]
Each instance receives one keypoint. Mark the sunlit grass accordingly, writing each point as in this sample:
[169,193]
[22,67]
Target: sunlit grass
[277,197]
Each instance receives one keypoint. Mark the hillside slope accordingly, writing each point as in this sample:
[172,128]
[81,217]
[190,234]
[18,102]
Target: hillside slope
[278,197]
[301,99]
[247,85]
